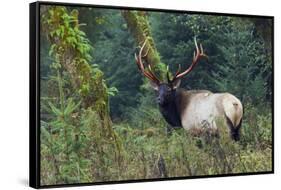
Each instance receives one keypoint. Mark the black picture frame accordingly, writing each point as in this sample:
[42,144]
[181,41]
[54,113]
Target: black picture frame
[34,93]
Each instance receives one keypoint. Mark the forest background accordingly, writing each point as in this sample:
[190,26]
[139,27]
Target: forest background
[99,120]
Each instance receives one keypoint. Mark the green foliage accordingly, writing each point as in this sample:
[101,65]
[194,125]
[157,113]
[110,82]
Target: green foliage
[188,155]
[75,123]
[61,141]
[145,143]
[112,91]
[69,45]
[238,59]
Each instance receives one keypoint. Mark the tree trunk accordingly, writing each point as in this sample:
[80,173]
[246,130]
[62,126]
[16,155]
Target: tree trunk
[72,57]
[138,25]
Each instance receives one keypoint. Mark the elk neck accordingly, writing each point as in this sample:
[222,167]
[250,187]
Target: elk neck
[170,111]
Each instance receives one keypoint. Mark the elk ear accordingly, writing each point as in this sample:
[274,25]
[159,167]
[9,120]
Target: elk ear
[176,83]
[154,85]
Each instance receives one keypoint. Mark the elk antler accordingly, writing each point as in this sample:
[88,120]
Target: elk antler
[196,56]
[148,73]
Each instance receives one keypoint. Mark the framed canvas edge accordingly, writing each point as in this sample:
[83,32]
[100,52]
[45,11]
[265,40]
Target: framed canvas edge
[150,9]
[273,95]
[34,97]
[34,94]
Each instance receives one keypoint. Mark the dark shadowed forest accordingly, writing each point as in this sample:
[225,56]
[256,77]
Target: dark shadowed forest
[99,117]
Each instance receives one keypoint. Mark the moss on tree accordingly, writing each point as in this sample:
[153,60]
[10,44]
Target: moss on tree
[138,25]
[70,50]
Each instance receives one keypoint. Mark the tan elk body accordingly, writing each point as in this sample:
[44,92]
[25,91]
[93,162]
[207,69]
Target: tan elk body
[193,110]
[201,108]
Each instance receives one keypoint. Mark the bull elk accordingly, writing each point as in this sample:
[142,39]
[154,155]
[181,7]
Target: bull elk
[192,109]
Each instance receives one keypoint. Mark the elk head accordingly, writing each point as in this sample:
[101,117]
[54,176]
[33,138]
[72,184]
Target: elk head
[166,91]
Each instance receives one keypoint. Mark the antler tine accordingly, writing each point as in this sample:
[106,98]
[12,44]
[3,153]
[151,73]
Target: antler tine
[140,63]
[196,45]
[198,53]
[152,74]
[138,58]
[168,76]
[178,71]
[141,68]
[146,53]
[193,55]
[149,68]
[149,74]
[201,49]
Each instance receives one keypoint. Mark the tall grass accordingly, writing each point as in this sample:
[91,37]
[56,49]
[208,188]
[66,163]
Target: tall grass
[146,151]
